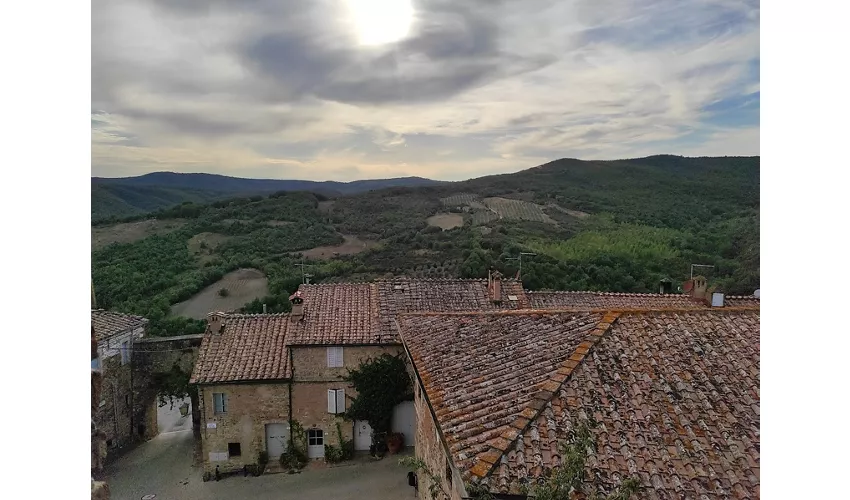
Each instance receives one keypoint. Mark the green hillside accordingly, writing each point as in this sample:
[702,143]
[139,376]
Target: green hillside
[614,226]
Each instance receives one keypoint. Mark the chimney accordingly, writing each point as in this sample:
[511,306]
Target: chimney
[697,287]
[716,297]
[297,302]
[496,286]
[264,309]
[215,322]
[665,286]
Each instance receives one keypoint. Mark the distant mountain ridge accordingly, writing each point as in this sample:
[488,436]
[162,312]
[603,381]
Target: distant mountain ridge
[124,196]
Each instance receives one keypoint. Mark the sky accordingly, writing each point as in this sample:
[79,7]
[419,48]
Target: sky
[444,89]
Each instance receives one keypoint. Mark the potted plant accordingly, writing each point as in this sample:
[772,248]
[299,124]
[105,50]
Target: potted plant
[395,442]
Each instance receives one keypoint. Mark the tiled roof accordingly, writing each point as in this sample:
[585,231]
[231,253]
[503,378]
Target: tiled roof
[251,347]
[340,313]
[484,372]
[363,313]
[675,395]
[603,300]
[108,323]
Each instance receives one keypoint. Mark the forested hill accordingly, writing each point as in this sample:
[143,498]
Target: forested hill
[123,196]
[617,226]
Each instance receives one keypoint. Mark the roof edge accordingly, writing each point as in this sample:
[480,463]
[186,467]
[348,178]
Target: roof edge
[488,460]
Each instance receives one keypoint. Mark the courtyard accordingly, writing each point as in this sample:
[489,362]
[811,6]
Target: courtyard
[163,467]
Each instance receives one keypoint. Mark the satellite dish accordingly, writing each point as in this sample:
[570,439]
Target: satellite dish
[757,293]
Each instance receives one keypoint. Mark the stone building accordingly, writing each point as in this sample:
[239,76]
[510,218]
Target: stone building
[673,391]
[256,373]
[99,489]
[116,414]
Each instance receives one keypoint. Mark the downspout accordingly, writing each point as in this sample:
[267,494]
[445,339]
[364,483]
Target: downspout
[291,377]
[115,411]
[132,388]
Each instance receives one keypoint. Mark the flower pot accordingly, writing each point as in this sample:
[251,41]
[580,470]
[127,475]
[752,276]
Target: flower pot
[395,442]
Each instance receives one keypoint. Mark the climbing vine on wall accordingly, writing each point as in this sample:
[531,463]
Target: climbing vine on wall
[381,383]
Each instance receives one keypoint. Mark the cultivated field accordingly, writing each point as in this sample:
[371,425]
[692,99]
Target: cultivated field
[350,246]
[483,216]
[518,210]
[457,200]
[445,221]
[242,285]
[128,232]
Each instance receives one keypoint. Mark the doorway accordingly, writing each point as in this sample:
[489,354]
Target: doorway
[362,435]
[277,440]
[315,443]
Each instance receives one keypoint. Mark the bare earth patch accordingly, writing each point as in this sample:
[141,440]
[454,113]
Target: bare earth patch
[445,221]
[574,213]
[203,245]
[350,246]
[518,210]
[128,232]
[242,285]
[279,223]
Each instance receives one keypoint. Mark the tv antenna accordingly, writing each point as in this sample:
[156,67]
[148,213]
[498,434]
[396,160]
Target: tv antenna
[528,254]
[699,265]
[305,278]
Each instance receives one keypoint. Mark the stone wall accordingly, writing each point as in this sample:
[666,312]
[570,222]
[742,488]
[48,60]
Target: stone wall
[310,409]
[249,408]
[430,448]
[310,364]
[113,413]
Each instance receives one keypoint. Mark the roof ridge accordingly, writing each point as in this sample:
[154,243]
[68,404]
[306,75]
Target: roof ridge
[548,389]
[577,310]
[619,294]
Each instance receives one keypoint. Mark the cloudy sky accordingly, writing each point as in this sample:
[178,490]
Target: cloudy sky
[446,89]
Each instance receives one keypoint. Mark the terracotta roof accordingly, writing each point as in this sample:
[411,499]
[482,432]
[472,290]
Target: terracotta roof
[109,323]
[250,347]
[604,300]
[363,313]
[485,372]
[675,395]
[339,313]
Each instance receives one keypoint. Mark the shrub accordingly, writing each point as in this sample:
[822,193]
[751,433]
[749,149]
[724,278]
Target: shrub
[222,292]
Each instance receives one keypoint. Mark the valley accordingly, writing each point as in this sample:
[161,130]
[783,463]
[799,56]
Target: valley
[611,226]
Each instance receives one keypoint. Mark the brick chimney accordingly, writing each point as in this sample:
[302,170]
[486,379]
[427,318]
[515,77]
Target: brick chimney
[215,322]
[297,301]
[495,286]
[697,287]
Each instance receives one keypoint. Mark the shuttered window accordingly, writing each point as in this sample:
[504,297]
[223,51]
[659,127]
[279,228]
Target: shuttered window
[336,401]
[334,357]
[219,403]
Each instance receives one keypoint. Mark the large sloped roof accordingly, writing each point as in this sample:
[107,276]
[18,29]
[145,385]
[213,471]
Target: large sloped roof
[675,395]
[250,347]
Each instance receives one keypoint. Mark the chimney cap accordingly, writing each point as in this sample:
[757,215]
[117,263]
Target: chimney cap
[496,274]
[296,298]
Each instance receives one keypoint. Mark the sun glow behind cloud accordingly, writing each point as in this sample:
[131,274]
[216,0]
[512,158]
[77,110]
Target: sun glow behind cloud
[347,89]
[378,22]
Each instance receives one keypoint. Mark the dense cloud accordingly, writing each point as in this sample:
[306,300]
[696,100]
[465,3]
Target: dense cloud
[287,89]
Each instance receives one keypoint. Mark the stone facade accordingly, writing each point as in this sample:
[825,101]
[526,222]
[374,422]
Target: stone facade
[250,407]
[432,451]
[114,414]
[310,363]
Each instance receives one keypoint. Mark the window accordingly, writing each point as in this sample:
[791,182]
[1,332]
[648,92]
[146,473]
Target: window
[219,403]
[336,401]
[334,357]
[125,352]
[234,449]
[315,437]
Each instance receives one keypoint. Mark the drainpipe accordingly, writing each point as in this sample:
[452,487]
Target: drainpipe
[291,377]
[115,411]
